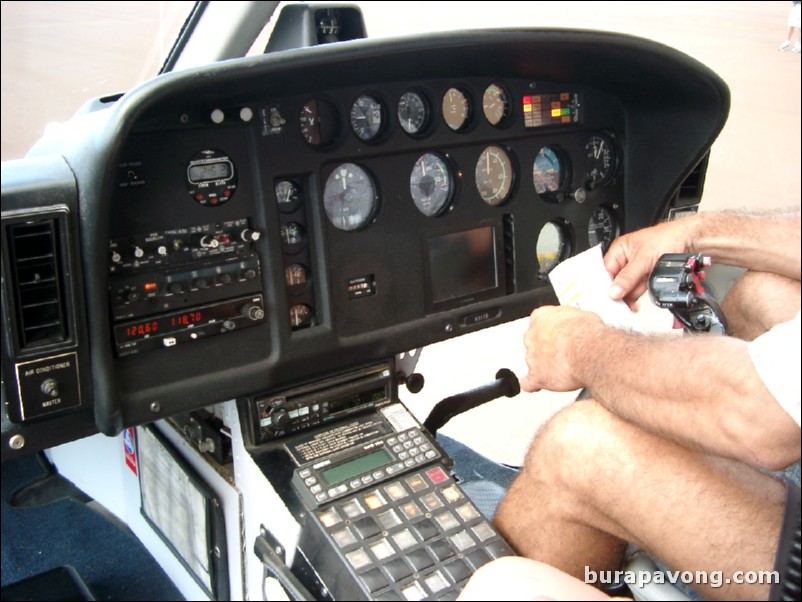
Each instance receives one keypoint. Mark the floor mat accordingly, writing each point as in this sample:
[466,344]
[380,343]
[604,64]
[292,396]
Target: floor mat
[66,532]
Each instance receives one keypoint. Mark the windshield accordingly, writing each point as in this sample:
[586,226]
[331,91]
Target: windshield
[58,55]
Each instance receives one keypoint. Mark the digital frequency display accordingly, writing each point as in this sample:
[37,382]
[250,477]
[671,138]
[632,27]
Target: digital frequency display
[348,470]
[462,263]
[158,326]
[541,110]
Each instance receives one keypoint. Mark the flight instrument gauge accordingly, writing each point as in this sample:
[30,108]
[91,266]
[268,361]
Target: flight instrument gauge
[549,172]
[495,104]
[319,122]
[431,184]
[494,175]
[456,109]
[602,228]
[367,117]
[601,161]
[413,112]
[553,245]
[349,197]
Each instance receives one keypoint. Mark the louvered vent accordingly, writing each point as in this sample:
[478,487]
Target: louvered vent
[693,185]
[37,280]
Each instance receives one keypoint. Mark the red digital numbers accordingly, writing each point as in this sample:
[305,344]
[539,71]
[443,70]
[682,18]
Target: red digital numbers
[192,317]
[140,330]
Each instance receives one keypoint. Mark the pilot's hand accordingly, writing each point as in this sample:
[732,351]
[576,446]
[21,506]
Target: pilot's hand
[632,257]
[553,347]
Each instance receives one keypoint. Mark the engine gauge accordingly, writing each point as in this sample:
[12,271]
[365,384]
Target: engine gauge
[431,184]
[601,161]
[553,245]
[495,104]
[288,196]
[494,175]
[300,315]
[367,117]
[548,172]
[296,278]
[456,109]
[293,237]
[602,228]
[319,122]
[413,112]
[211,178]
[349,197]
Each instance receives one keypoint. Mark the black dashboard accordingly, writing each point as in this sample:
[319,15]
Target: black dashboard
[267,221]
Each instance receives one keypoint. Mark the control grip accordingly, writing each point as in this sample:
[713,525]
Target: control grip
[506,385]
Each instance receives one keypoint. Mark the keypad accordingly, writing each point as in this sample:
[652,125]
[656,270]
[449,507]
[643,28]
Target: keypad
[416,537]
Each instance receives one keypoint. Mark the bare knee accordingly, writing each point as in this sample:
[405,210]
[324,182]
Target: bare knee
[759,301]
[576,446]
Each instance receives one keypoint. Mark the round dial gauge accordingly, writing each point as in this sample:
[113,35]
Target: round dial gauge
[319,122]
[367,117]
[600,161]
[553,245]
[211,178]
[548,172]
[413,112]
[293,237]
[494,174]
[295,277]
[431,184]
[602,228]
[349,197]
[300,315]
[495,104]
[456,109]
[288,196]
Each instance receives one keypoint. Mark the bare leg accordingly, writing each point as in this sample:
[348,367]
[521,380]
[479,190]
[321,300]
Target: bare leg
[757,302]
[592,481]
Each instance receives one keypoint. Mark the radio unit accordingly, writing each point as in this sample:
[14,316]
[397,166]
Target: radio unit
[276,415]
[146,294]
[170,329]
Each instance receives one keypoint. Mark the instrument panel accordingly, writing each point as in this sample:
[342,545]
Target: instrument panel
[410,191]
[266,221]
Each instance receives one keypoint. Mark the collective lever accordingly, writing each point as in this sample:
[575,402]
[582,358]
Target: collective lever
[506,384]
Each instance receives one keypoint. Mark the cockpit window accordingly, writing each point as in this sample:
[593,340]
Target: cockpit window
[58,55]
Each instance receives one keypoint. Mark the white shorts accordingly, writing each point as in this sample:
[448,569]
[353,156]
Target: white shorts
[794,16]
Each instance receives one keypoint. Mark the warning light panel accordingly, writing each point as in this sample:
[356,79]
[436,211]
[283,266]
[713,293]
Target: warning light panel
[542,110]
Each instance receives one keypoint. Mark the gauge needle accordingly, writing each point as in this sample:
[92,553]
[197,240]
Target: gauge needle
[598,150]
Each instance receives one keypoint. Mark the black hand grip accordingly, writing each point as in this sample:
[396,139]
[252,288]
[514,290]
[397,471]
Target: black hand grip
[505,385]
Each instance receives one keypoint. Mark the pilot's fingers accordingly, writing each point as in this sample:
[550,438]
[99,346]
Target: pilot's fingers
[630,282]
[529,384]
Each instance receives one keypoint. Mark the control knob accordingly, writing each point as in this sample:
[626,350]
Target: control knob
[279,419]
[253,312]
[209,242]
[249,235]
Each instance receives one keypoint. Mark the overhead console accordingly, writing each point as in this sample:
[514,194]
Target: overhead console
[265,222]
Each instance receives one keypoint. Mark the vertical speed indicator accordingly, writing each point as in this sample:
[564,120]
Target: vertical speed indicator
[602,228]
[601,161]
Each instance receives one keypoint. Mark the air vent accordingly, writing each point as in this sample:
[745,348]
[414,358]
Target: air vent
[693,185]
[36,274]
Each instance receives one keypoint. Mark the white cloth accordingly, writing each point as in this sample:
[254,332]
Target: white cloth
[777,359]
[794,16]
